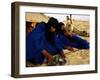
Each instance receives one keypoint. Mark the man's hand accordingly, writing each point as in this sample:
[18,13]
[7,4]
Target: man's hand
[47,55]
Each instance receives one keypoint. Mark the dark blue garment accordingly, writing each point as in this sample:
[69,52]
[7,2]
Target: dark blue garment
[36,42]
[53,48]
[79,42]
[73,41]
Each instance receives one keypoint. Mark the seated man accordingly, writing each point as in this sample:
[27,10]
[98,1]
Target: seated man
[42,42]
[71,39]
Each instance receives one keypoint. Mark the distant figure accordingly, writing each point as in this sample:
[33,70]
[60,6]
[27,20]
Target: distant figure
[70,28]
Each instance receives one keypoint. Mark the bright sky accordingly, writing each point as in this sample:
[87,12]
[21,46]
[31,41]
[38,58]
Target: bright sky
[62,17]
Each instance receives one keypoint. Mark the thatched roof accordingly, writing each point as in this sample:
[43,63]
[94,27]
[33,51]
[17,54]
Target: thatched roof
[36,17]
